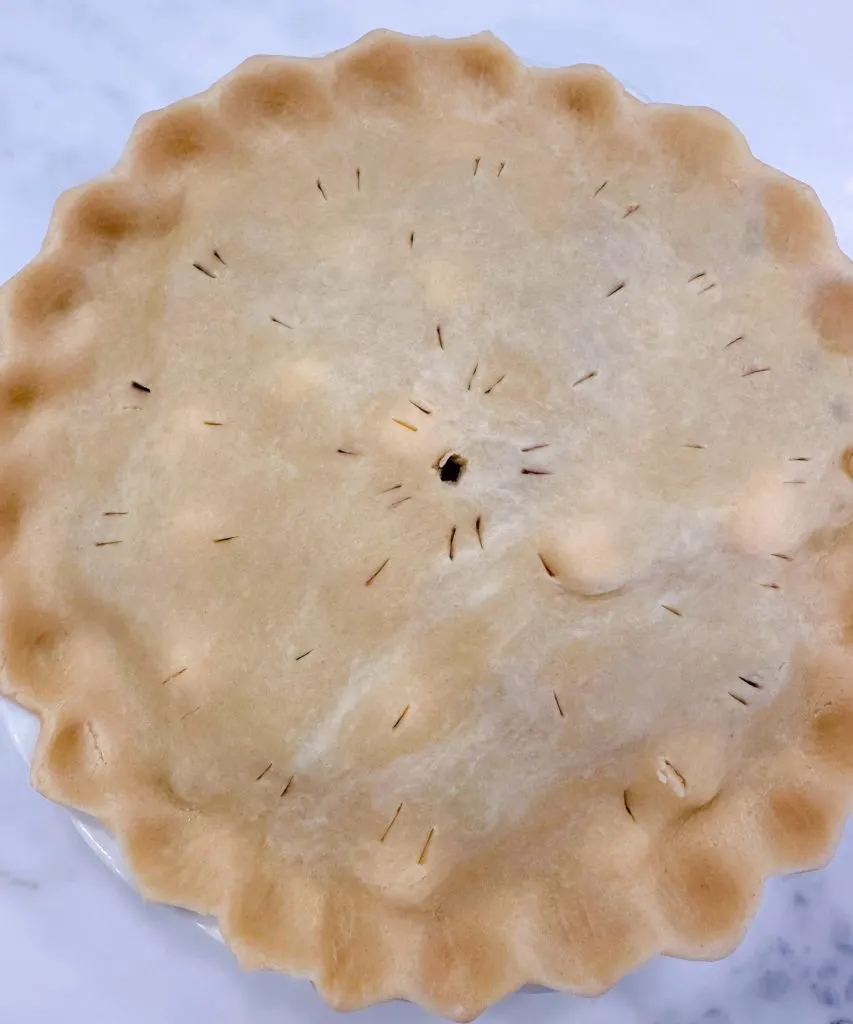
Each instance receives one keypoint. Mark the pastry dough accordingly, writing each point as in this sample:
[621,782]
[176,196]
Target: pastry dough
[426,520]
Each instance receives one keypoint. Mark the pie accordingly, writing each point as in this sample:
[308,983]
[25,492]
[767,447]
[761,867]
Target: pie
[427,520]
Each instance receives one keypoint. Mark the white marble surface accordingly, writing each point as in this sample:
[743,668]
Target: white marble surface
[76,944]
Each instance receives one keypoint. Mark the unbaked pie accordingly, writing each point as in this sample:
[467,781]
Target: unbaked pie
[426,517]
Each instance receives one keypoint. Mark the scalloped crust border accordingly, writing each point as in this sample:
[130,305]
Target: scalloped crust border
[356,949]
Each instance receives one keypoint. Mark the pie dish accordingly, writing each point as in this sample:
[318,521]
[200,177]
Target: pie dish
[426,520]
[22,729]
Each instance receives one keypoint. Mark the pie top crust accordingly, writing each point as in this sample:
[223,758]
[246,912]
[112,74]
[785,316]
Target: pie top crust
[426,520]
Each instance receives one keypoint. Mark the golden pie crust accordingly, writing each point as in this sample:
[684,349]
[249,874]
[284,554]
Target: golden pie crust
[426,518]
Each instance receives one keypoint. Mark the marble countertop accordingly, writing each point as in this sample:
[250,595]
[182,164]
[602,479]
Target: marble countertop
[76,943]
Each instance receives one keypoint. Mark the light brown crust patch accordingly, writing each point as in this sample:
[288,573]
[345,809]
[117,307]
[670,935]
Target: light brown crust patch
[380,68]
[796,227]
[185,133]
[69,765]
[588,94]
[111,214]
[28,384]
[276,92]
[10,520]
[352,974]
[464,955]
[800,826]
[704,896]
[699,143]
[485,63]
[48,289]
[832,314]
[30,639]
[277,920]
[830,736]
[21,386]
